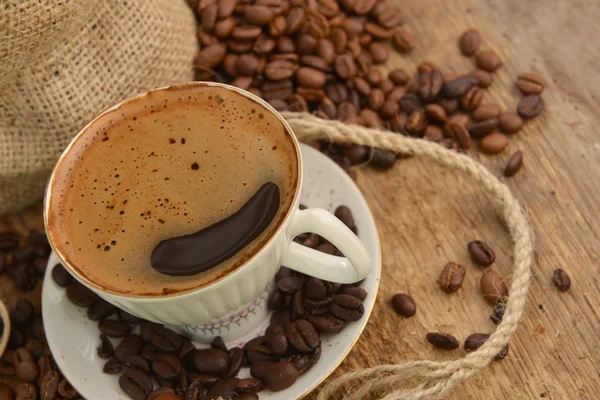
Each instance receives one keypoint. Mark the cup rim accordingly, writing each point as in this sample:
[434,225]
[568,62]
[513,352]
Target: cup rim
[152,298]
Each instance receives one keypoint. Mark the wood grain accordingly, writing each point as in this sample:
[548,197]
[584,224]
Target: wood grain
[426,215]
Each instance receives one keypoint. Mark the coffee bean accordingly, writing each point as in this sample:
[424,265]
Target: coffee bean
[344,214]
[7,368]
[16,339]
[487,111]
[530,106]
[258,14]
[475,341]
[9,241]
[355,291]
[433,133]
[131,345]
[379,52]
[399,76]
[310,78]
[236,359]
[212,55]
[530,83]
[166,340]
[561,280]
[167,366]
[225,388]
[397,122]
[482,128]
[370,119]
[246,64]
[404,305]
[339,38]
[376,99]
[386,86]
[23,254]
[279,70]
[452,277]
[410,103]
[389,108]
[205,380]
[326,324]
[219,343]
[49,385]
[303,336]
[345,66]
[125,316]
[493,287]
[159,394]
[443,341]
[481,253]
[459,86]
[6,392]
[249,385]
[488,60]
[485,78]
[326,50]
[469,42]
[113,366]
[347,307]
[25,276]
[147,329]
[247,396]
[471,99]
[210,361]
[135,383]
[291,284]
[510,122]
[383,159]
[139,362]
[80,295]
[66,390]
[436,112]
[430,84]
[298,303]
[449,105]
[105,348]
[502,354]
[493,143]
[285,44]
[100,309]
[280,375]
[25,367]
[403,41]
[114,328]
[514,164]
[459,133]
[22,312]
[416,123]
[498,313]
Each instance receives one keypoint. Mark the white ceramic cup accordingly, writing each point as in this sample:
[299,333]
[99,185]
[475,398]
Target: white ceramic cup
[236,303]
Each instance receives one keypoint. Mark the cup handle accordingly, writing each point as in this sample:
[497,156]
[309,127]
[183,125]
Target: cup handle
[321,265]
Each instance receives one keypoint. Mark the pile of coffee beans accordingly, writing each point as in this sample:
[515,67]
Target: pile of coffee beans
[24,258]
[322,57]
[156,363]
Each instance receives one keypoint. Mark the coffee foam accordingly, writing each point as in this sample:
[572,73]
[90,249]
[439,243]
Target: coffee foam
[167,164]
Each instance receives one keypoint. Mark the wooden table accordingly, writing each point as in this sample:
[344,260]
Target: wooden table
[426,215]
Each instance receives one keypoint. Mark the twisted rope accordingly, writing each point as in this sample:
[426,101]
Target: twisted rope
[433,379]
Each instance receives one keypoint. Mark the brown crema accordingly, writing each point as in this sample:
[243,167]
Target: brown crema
[164,164]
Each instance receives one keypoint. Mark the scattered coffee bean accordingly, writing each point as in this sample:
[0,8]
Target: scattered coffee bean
[481,253]
[105,348]
[80,295]
[6,392]
[493,143]
[22,312]
[483,77]
[561,280]
[403,41]
[488,60]
[347,307]
[471,99]
[61,276]
[452,277]
[482,128]
[443,341]
[49,385]
[469,42]
[404,305]
[436,112]
[514,164]
[476,340]
[487,111]
[135,383]
[510,122]
[459,133]
[280,375]
[493,287]
[210,361]
[459,86]
[219,343]
[530,106]
[498,313]
[166,340]
[100,309]
[530,83]
[130,346]
[383,159]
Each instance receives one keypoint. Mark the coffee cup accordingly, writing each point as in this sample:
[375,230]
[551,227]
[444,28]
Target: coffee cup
[168,162]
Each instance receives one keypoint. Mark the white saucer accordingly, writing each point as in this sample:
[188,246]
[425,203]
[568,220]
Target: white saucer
[73,338]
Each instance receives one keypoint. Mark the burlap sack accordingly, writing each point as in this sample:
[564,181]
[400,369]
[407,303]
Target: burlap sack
[63,61]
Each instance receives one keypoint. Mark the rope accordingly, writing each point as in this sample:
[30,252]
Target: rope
[431,379]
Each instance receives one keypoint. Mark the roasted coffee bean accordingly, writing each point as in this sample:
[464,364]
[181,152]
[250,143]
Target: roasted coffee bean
[22,312]
[306,44]
[410,103]
[514,164]
[488,60]
[219,343]
[246,64]
[310,78]
[318,306]
[25,367]
[113,366]
[375,99]
[449,105]
[469,42]
[452,277]
[166,340]
[225,388]
[436,112]
[357,154]
[61,276]
[186,348]
[126,317]
[66,390]
[471,99]
[6,392]
[397,122]
[259,369]
[387,86]
[258,14]
[105,348]
[236,359]
[399,76]
[205,380]
[16,339]
[493,143]
[196,391]
[49,385]
[370,119]
[459,86]
[482,128]
[347,307]
[7,368]
[404,305]
[26,391]
[344,214]
[100,309]
[291,283]
[345,66]
[443,341]
[303,336]
[139,362]
[80,295]
[281,317]
[327,324]
[485,78]
[45,364]
[481,253]
[487,111]
[530,83]
[280,375]
[23,254]
[502,354]
[498,313]
[211,55]
[136,383]
[147,329]
[416,123]
[378,52]
[403,41]
[9,241]
[389,108]
[338,93]
[114,328]
[530,106]
[383,159]
[493,287]
[315,288]
[510,122]
[150,352]
[25,276]
[355,291]
[285,44]
[298,303]
[275,300]
[339,38]
[159,394]
[433,133]
[249,385]
[210,361]
[131,345]
[561,280]
[167,366]
[429,84]
[475,341]
[458,132]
